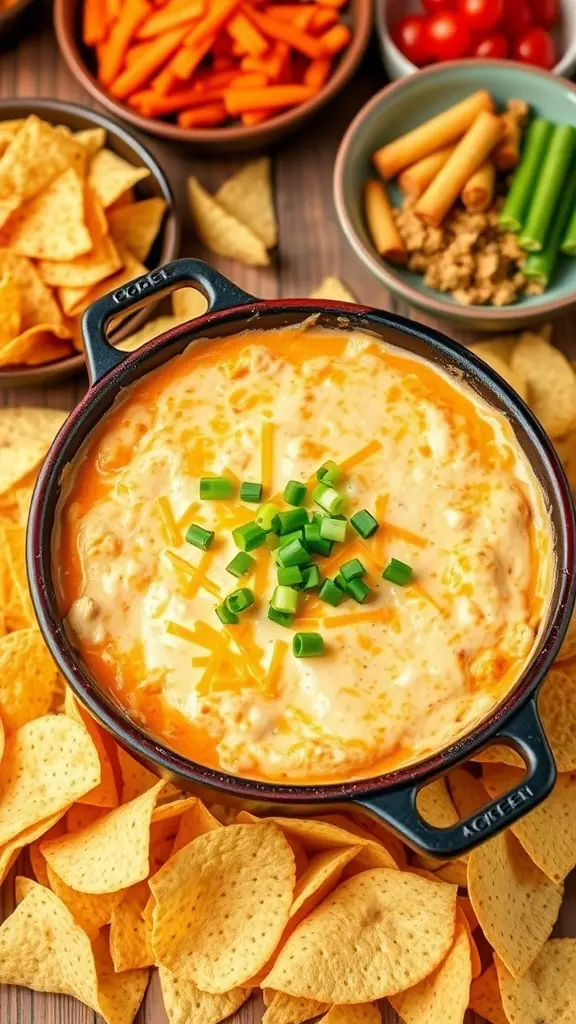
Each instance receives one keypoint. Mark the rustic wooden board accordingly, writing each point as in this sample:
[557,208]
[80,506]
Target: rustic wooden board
[311,246]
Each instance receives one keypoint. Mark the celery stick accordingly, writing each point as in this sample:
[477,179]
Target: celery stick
[546,196]
[539,266]
[518,198]
[569,241]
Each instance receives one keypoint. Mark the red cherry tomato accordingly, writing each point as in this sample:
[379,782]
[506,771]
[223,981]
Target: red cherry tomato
[482,15]
[448,36]
[437,6]
[517,18]
[495,46]
[410,37]
[545,12]
[535,47]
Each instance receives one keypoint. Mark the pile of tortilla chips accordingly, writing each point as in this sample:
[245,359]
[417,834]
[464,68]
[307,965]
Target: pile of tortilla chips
[70,230]
[327,916]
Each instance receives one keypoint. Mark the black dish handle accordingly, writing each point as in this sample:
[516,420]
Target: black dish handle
[219,292]
[398,809]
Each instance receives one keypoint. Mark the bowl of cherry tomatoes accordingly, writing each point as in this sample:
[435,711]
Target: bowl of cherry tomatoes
[416,33]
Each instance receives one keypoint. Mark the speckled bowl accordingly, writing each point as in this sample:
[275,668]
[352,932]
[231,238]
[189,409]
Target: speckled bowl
[406,104]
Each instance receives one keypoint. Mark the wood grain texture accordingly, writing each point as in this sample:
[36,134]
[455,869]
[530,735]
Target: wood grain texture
[311,246]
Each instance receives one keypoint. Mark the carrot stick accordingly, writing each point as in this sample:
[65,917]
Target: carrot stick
[222,63]
[164,81]
[132,15]
[242,31]
[132,78]
[299,15]
[322,18]
[172,16]
[333,3]
[135,51]
[271,97]
[415,179]
[190,57]
[249,81]
[273,66]
[439,131]
[113,8]
[335,39]
[478,192]
[152,104]
[470,153]
[219,14]
[256,116]
[318,72]
[286,33]
[380,221]
[208,116]
[94,19]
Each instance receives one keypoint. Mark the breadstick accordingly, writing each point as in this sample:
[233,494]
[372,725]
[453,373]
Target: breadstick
[380,221]
[432,135]
[469,154]
[507,154]
[415,179]
[478,192]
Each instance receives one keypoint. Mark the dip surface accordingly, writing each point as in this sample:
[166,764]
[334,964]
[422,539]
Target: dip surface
[404,674]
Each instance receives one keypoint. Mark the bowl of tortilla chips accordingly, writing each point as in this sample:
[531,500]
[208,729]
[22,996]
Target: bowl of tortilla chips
[84,208]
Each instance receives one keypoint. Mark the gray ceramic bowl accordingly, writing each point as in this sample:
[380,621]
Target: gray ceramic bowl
[406,104]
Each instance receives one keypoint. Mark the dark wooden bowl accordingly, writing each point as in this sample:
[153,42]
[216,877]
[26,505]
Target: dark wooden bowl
[80,60]
[165,247]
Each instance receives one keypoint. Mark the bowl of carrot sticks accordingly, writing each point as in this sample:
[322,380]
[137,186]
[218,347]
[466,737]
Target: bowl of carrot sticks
[224,74]
[457,188]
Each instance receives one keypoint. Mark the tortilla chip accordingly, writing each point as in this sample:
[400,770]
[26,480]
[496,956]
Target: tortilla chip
[18,608]
[568,648]
[548,834]
[475,960]
[119,995]
[435,805]
[36,156]
[490,355]
[38,345]
[188,303]
[150,330]
[37,859]
[557,707]
[28,677]
[75,300]
[322,835]
[321,876]
[102,260]
[551,382]
[221,232]
[109,855]
[8,130]
[455,873]
[201,926]
[81,815]
[196,821]
[92,139]
[515,903]
[381,931]
[499,345]
[129,933]
[136,225]
[356,828]
[284,1009]
[104,794]
[184,1002]
[547,992]
[47,765]
[90,912]
[136,779]
[467,792]
[444,994]
[376,828]
[37,304]
[109,175]
[11,850]
[361,1013]
[51,225]
[485,998]
[247,195]
[331,288]
[10,316]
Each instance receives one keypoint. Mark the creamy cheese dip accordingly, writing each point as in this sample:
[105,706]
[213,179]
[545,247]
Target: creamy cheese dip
[404,674]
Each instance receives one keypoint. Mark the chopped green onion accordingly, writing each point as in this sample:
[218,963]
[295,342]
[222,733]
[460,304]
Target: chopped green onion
[333,529]
[249,536]
[271,541]
[293,553]
[250,492]
[241,564]
[285,599]
[239,600]
[280,618]
[216,488]
[397,572]
[225,615]
[364,523]
[307,645]
[286,538]
[341,583]
[291,520]
[357,589]
[311,577]
[329,473]
[315,542]
[289,576]
[266,515]
[294,493]
[330,593]
[199,537]
[350,570]
[328,499]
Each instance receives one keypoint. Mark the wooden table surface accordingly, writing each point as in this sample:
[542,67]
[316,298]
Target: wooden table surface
[311,246]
